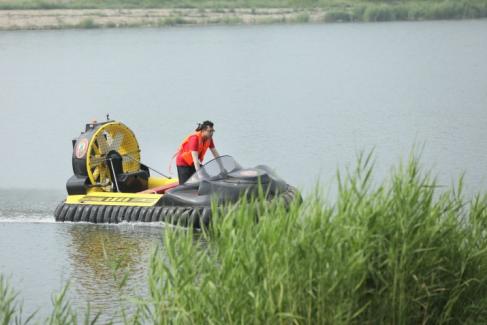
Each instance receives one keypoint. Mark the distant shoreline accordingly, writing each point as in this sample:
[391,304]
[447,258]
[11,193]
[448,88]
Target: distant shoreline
[34,15]
[113,18]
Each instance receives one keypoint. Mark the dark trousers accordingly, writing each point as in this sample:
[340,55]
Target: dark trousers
[185,172]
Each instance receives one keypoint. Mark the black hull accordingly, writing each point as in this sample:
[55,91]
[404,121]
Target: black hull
[185,216]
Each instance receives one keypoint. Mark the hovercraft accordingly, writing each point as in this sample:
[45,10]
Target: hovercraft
[111,185]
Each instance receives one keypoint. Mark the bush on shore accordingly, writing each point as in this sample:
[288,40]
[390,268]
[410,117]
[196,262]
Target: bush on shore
[412,10]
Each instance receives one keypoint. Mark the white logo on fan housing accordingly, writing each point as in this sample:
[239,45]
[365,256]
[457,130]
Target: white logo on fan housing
[81,148]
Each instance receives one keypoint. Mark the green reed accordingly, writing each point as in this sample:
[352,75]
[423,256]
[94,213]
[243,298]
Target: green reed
[11,309]
[402,251]
[63,313]
[8,303]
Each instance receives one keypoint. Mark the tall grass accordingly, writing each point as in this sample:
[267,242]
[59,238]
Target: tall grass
[398,253]
[407,10]
[11,309]
[401,251]
[10,306]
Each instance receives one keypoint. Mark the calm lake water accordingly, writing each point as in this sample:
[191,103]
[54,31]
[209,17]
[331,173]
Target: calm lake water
[304,99]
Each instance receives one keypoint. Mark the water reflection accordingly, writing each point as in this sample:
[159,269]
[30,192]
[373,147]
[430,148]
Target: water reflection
[99,257]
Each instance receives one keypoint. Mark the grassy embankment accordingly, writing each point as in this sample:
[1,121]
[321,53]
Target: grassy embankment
[402,252]
[231,12]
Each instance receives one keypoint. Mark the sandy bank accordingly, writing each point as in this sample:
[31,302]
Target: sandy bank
[111,18]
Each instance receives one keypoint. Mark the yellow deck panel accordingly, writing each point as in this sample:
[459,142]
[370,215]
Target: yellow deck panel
[108,198]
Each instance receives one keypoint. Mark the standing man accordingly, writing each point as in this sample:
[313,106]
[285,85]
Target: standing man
[192,150]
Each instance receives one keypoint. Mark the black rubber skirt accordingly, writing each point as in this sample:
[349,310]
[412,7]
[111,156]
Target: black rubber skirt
[196,217]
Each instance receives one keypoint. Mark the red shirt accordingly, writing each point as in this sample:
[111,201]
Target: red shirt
[191,145]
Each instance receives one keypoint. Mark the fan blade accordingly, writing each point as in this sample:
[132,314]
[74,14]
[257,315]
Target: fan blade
[96,160]
[128,158]
[96,173]
[94,148]
[117,142]
[103,173]
[102,143]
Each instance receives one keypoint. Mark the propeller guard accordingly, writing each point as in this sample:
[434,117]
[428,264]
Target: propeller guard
[92,157]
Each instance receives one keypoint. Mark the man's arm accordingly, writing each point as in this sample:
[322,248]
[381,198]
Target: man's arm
[216,155]
[215,152]
[196,160]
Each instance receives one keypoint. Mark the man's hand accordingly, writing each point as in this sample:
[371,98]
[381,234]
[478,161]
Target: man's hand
[224,172]
[197,165]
